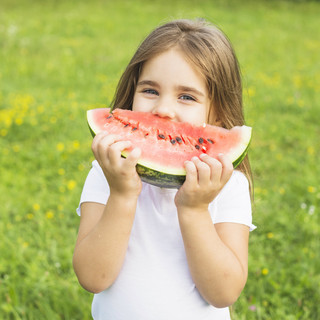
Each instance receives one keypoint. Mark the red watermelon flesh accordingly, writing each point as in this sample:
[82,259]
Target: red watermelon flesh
[167,144]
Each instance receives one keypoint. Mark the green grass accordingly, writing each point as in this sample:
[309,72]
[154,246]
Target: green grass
[60,58]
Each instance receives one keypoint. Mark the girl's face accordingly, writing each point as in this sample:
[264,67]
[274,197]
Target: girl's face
[172,88]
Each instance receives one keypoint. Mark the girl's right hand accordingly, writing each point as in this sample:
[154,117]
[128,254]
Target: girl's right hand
[120,172]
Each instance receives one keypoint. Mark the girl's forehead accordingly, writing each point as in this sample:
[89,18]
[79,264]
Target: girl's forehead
[174,58]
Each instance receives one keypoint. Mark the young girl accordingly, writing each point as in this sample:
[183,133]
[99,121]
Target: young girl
[150,253]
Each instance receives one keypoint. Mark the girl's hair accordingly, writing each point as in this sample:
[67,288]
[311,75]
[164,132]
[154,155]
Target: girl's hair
[208,49]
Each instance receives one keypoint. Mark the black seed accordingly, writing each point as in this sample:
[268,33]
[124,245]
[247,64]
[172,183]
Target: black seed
[209,140]
[178,139]
[161,136]
[126,125]
[109,117]
[200,140]
[134,129]
[197,147]
[173,141]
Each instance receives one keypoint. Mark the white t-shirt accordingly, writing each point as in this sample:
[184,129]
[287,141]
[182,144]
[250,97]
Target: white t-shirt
[154,282]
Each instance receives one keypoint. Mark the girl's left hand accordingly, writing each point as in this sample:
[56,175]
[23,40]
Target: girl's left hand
[205,178]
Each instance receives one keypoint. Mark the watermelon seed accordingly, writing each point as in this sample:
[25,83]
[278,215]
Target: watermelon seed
[197,147]
[126,125]
[161,136]
[209,140]
[109,117]
[134,129]
[178,139]
[200,140]
[173,141]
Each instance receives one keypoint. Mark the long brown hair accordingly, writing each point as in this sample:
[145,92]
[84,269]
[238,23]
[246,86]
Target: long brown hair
[208,49]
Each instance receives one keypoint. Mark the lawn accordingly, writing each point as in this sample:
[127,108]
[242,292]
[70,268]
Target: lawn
[60,58]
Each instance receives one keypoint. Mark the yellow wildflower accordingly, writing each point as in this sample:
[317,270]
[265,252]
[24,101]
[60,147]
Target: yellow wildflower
[49,214]
[60,146]
[311,189]
[16,148]
[270,235]
[53,120]
[30,216]
[36,206]
[76,145]
[19,121]
[310,151]
[71,184]
[25,244]
[264,271]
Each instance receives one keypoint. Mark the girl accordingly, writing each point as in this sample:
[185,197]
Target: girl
[153,253]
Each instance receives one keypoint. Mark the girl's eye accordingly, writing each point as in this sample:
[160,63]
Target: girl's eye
[187,97]
[150,91]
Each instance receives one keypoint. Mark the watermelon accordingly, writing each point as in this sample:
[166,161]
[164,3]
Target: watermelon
[167,144]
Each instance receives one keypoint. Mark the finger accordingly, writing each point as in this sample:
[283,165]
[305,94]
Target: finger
[104,139]
[203,171]
[227,168]
[191,173]
[114,151]
[96,140]
[133,157]
[215,167]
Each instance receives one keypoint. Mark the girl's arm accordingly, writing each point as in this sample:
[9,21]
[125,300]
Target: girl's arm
[105,230]
[217,254]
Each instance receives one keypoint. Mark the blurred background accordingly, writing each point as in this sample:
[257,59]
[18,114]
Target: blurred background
[60,58]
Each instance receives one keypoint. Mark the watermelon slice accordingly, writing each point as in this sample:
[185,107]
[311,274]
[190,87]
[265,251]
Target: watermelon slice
[166,144]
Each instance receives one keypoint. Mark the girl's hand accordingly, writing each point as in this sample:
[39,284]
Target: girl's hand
[205,178]
[120,172]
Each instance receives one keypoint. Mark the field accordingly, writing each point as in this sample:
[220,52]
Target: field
[60,58]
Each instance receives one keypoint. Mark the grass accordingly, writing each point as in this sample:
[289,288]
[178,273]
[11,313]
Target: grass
[60,58]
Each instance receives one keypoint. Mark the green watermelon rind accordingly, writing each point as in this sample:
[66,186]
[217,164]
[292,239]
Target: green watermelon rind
[165,180]
[164,177]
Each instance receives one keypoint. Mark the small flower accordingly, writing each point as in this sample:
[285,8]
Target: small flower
[311,210]
[60,146]
[251,91]
[303,206]
[252,308]
[36,206]
[53,120]
[16,148]
[76,145]
[270,235]
[310,151]
[30,216]
[71,184]
[49,214]
[19,121]
[264,271]
[25,244]
[311,189]
[282,191]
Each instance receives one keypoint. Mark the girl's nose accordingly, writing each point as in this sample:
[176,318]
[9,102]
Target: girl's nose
[164,109]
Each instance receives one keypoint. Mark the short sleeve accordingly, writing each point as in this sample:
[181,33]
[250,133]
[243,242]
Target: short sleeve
[96,188]
[233,204]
